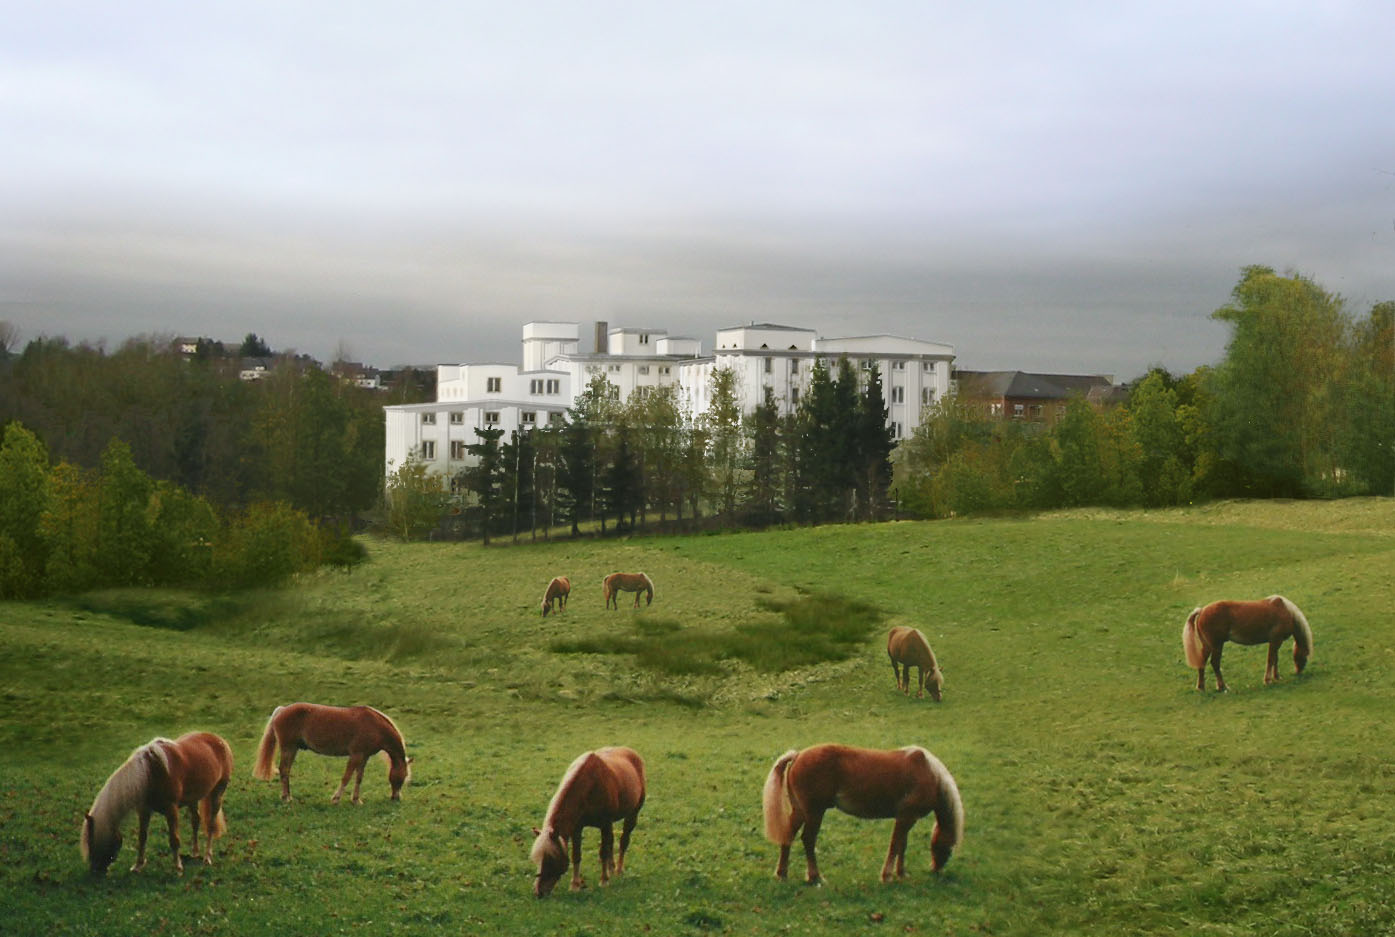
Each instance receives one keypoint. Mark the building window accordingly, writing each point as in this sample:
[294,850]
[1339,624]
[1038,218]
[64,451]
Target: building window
[1017,410]
[528,417]
[643,339]
[614,368]
[794,395]
[491,417]
[665,370]
[457,449]
[898,365]
[428,419]
[535,387]
[493,385]
[457,418]
[428,449]
[554,418]
[554,386]
[995,409]
[644,369]
[769,365]
[929,367]
[895,430]
[927,396]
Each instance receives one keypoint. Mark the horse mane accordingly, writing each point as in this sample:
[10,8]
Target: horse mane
[123,791]
[1302,633]
[401,743]
[949,796]
[545,845]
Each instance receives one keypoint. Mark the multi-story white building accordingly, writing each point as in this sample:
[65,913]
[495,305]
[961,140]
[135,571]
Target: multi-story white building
[915,374]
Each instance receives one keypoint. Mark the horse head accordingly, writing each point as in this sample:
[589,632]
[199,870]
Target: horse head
[935,683]
[546,607]
[550,853]
[100,852]
[399,773]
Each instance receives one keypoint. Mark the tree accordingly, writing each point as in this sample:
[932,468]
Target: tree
[416,498]
[577,470]
[23,494]
[763,486]
[124,535]
[1165,465]
[872,443]
[723,425]
[482,479]
[1274,397]
[1366,440]
[254,347]
[623,490]
[68,527]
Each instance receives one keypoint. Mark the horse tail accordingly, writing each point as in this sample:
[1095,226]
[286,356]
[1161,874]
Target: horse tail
[261,770]
[217,825]
[1302,632]
[775,801]
[1191,641]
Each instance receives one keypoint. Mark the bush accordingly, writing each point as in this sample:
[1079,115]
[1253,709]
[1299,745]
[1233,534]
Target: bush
[265,546]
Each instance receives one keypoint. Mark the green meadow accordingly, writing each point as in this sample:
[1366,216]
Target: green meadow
[1102,793]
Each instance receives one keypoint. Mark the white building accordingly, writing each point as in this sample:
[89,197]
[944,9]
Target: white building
[555,372]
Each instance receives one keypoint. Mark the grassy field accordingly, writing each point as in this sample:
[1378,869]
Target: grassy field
[1102,794]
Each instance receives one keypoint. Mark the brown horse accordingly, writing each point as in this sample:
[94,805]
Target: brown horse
[356,731]
[161,776]
[599,788]
[557,591]
[907,647]
[1272,620]
[616,583]
[904,784]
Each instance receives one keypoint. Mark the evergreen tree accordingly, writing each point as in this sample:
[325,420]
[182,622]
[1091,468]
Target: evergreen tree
[762,492]
[723,424]
[482,478]
[872,449]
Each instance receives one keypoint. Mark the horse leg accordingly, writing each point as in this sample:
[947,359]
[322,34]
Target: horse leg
[636,598]
[172,819]
[626,829]
[919,681]
[140,847]
[358,778]
[896,852]
[194,823]
[577,882]
[1216,666]
[287,756]
[809,837]
[607,852]
[344,782]
[1271,666]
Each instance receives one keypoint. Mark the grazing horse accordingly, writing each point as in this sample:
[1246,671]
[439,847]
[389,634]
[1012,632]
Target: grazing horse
[599,788]
[907,647]
[1272,620]
[356,731]
[904,784]
[161,776]
[616,583]
[557,590]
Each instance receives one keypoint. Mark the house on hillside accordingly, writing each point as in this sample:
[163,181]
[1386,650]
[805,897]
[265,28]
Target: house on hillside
[1032,398]
[555,371]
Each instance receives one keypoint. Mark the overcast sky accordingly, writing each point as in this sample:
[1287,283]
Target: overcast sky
[1062,186]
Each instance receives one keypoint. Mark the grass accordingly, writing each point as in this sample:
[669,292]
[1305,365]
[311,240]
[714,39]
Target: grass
[1103,795]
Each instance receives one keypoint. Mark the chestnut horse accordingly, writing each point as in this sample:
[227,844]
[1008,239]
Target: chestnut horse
[161,776]
[907,647]
[904,784]
[557,590]
[1272,620]
[356,731]
[599,788]
[616,583]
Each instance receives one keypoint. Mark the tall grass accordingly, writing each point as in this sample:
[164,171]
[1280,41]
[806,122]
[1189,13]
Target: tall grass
[1103,795]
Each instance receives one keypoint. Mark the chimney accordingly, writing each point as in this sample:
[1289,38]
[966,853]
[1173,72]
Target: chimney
[602,340]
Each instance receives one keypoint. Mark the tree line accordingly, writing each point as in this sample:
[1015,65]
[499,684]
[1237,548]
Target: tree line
[648,462]
[1302,405]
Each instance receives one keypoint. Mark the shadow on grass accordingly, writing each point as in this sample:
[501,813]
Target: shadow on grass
[812,629]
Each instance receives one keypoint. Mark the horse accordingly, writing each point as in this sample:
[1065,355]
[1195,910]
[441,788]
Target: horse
[356,731]
[557,590]
[903,784]
[616,583]
[1271,620]
[907,647]
[162,775]
[599,788]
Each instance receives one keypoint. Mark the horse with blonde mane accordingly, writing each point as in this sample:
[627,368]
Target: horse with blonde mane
[903,784]
[599,788]
[907,647]
[356,731]
[161,776]
[616,583]
[557,591]
[1273,620]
